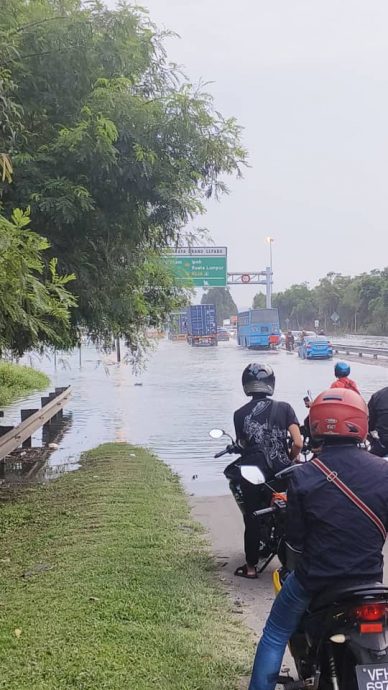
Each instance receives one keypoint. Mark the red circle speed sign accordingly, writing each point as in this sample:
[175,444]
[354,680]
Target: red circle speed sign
[245,278]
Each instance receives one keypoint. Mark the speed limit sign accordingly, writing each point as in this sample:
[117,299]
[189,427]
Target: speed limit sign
[245,278]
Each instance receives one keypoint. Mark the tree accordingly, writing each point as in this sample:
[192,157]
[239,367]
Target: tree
[10,113]
[259,301]
[118,152]
[34,303]
[361,303]
[223,301]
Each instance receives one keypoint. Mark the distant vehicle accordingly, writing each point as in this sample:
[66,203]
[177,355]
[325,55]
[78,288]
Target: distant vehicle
[202,325]
[222,334]
[298,336]
[258,329]
[177,328]
[315,347]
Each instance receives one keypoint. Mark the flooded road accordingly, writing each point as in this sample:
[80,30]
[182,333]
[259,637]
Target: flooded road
[184,392]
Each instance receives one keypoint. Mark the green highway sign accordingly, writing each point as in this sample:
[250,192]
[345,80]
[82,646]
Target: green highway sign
[199,266]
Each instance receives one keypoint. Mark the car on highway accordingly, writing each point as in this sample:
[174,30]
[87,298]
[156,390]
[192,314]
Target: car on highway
[315,347]
[222,334]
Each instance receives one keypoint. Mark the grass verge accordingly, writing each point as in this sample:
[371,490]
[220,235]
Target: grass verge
[17,381]
[106,583]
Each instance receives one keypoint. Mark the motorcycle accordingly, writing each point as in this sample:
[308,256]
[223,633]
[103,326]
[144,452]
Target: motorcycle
[266,494]
[342,640]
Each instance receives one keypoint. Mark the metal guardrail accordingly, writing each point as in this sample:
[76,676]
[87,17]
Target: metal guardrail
[52,408]
[361,350]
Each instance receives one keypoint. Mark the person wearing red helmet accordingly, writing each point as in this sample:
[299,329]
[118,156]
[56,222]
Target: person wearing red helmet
[337,543]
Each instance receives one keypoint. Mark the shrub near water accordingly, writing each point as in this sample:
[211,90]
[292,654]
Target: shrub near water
[106,584]
[17,381]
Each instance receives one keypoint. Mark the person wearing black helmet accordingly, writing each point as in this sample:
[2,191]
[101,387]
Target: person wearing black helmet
[261,427]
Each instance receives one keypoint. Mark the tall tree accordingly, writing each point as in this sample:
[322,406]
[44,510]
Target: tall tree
[259,301]
[361,303]
[223,301]
[118,152]
[34,302]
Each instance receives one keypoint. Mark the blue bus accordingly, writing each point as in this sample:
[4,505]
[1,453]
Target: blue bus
[258,329]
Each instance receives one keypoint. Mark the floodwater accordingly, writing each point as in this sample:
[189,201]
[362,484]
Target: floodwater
[184,392]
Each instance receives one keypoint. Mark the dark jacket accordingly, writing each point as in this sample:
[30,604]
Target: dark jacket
[339,544]
[378,414]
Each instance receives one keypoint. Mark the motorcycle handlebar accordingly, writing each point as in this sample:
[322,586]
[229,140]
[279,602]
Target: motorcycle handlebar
[232,448]
[221,453]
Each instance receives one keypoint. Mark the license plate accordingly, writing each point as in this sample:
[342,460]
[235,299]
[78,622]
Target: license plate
[372,676]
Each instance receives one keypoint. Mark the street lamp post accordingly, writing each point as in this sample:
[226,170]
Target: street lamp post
[269,275]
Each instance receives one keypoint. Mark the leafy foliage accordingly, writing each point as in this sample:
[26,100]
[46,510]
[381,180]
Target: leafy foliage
[34,302]
[115,153]
[361,303]
[259,301]
[223,300]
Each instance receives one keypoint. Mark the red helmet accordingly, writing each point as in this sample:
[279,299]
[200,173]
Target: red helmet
[339,412]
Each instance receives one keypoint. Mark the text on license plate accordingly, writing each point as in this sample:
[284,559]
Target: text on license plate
[372,676]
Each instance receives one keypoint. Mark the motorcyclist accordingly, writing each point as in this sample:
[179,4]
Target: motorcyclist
[378,422]
[290,341]
[341,372]
[261,430]
[337,543]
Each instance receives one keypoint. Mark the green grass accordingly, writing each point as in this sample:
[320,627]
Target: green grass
[17,381]
[111,585]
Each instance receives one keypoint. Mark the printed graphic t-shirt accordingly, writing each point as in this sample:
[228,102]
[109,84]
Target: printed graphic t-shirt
[256,426]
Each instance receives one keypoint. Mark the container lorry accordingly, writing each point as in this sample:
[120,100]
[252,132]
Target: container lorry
[177,328]
[202,325]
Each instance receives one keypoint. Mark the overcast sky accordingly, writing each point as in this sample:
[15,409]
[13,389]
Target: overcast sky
[307,79]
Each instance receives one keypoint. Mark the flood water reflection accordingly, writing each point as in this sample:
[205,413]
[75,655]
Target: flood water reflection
[184,392]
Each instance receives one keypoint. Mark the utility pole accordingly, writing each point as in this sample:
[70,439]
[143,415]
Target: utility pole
[269,273]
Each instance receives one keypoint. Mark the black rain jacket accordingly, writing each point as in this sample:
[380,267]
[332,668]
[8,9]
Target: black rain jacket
[339,544]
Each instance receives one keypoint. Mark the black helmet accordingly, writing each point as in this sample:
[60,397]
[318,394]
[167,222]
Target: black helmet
[258,378]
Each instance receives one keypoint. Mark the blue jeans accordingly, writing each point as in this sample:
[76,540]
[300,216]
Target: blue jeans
[287,610]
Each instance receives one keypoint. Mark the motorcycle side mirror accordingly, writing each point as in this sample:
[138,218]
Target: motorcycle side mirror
[216,433]
[252,474]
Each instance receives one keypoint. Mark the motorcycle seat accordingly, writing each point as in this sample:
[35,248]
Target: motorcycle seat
[336,595]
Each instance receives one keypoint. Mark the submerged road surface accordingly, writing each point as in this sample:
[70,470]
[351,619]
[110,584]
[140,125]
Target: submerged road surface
[184,392]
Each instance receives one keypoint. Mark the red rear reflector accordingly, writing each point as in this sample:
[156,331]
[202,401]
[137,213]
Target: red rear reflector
[371,627]
[370,612]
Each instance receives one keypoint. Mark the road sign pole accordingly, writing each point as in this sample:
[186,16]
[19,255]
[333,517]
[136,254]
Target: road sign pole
[268,284]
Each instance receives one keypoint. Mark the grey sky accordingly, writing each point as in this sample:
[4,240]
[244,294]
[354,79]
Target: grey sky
[307,79]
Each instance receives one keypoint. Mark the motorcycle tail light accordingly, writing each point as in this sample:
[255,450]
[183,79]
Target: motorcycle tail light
[371,627]
[370,612]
